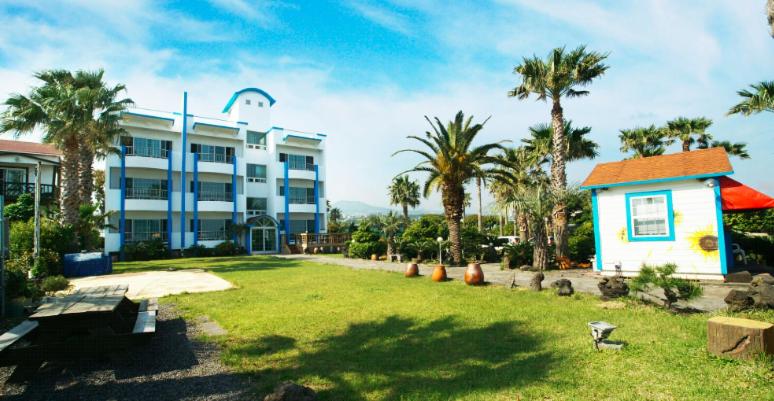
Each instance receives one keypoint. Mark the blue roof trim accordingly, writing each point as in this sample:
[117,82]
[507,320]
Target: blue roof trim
[301,137]
[245,90]
[277,128]
[242,122]
[215,125]
[322,135]
[659,180]
[172,120]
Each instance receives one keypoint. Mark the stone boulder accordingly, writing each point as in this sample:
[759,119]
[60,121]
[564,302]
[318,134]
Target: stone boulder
[525,268]
[563,287]
[613,287]
[762,291]
[739,277]
[289,391]
[536,284]
[739,300]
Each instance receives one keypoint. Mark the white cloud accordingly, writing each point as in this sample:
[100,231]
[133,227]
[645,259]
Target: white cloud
[260,12]
[382,16]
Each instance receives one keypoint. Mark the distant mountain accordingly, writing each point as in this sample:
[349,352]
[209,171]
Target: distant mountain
[360,209]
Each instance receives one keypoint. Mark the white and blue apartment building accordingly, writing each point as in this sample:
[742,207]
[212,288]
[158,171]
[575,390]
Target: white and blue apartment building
[191,180]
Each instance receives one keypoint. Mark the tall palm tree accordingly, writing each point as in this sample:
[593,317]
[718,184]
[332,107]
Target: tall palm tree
[689,131]
[644,141]
[53,107]
[517,172]
[540,143]
[450,161]
[760,99]
[391,226]
[101,114]
[405,193]
[770,12]
[559,76]
[738,149]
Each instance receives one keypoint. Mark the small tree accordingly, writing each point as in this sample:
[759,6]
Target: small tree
[22,210]
[661,277]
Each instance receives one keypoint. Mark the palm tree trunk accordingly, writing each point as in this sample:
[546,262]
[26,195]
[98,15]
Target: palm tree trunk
[69,196]
[478,189]
[523,227]
[515,221]
[540,247]
[453,204]
[687,145]
[405,211]
[500,220]
[85,174]
[770,11]
[559,178]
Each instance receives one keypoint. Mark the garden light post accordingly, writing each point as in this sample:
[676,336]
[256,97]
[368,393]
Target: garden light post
[440,251]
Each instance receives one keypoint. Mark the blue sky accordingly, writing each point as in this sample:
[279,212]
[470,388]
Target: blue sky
[366,72]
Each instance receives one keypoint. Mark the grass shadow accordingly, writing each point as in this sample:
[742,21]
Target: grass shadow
[402,358]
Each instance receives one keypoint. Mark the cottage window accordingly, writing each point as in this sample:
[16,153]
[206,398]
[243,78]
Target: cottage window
[650,216]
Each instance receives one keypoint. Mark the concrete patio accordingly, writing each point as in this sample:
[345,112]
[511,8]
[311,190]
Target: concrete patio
[156,284]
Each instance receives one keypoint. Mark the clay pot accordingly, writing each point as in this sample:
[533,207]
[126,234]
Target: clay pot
[374,257]
[412,270]
[473,274]
[439,273]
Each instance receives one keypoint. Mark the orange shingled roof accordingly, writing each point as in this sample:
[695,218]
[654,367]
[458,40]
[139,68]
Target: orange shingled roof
[694,164]
[34,148]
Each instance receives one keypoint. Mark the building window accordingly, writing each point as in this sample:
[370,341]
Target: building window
[297,162]
[212,229]
[213,191]
[256,206]
[146,147]
[247,102]
[136,230]
[298,196]
[145,188]
[649,216]
[213,154]
[256,140]
[260,104]
[256,173]
[298,226]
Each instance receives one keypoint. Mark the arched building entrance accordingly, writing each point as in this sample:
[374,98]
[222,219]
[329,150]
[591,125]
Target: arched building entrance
[263,234]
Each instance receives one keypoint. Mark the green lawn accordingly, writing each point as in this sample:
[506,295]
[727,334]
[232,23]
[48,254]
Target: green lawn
[369,335]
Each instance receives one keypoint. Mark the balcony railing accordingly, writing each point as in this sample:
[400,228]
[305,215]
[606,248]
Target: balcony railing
[146,193]
[144,236]
[256,212]
[147,152]
[307,200]
[214,158]
[219,235]
[300,166]
[12,190]
[207,196]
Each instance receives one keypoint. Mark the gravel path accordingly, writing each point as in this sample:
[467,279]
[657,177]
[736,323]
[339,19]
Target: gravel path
[582,280]
[172,367]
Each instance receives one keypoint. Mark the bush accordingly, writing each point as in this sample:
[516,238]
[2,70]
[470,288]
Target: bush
[48,264]
[518,254]
[581,242]
[53,238]
[661,277]
[22,210]
[228,248]
[197,251]
[473,245]
[366,242]
[17,285]
[145,250]
[416,240]
[54,283]
[760,221]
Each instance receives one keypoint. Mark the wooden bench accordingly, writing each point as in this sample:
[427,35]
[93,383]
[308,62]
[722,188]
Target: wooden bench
[151,304]
[16,333]
[145,323]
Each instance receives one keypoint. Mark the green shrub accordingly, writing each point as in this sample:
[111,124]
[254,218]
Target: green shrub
[366,241]
[16,283]
[518,254]
[48,264]
[145,250]
[581,242]
[419,238]
[197,251]
[228,248]
[22,210]
[759,221]
[661,277]
[53,237]
[54,283]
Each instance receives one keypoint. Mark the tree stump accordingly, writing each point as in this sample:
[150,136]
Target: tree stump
[739,338]
[536,282]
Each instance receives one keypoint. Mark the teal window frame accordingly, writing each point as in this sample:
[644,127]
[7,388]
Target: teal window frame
[670,218]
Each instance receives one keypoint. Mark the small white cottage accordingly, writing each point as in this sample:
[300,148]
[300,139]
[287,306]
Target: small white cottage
[667,209]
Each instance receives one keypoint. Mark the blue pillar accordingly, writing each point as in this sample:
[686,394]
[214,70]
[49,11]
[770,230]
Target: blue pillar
[234,219]
[316,199]
[170,187]
[249,239]
[595,218]
[183,180]
[122,219]
[722,249]
[287,203]
[196,199]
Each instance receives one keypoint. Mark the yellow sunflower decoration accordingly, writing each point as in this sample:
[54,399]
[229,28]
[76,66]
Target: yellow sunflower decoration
[622,235]
[705,242]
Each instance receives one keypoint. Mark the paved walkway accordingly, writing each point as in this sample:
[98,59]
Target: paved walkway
[582,280]
[156,284]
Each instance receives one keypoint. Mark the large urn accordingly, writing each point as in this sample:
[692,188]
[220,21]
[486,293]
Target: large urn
[439,273]
[473,274]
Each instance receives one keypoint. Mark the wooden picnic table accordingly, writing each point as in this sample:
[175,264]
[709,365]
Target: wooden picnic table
[88,322]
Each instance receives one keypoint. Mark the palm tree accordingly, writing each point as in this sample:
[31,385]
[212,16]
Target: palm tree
[334,215]
[536,204]
[540,143]
[391,225]
[559,76]
[518,171]
[760,99]
[52,107]
[738,149]
[644,141]
[405,193]
[689,131]
[101,115]
[451,161]
[770,12]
